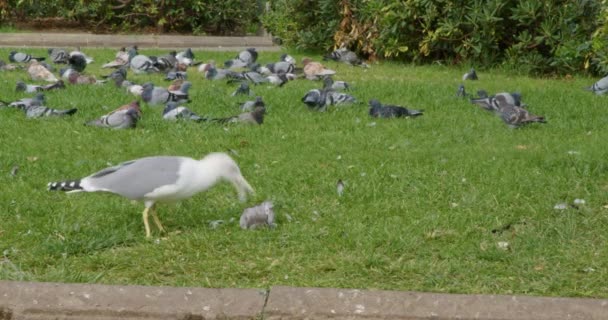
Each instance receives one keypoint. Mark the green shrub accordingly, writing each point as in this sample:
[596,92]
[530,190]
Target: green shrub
[535,36]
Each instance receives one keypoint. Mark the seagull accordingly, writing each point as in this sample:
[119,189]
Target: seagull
[31,88]
[378,110]
[161,179]
[471,75]
[259,215]
[600,87]
[125,117]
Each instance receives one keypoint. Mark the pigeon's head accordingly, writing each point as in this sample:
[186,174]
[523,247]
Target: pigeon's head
[374,103]
[210,72]
[170,106]
[132,53]
[259,102]
[185,86]
[21,86]
[312,98]
[188,53]
[327,82]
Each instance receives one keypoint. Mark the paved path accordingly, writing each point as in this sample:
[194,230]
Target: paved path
[35,300]
[47,40]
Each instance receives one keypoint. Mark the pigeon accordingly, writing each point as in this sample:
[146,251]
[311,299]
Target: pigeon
[37,100]
[287,58]
[173,111]
[77,62]
[132,88]
[39,72]
[377,110]
[166,62]
[320,99]
[243,89]
[471,75]
[118,73]
[159,95]
[34,111]
[346,56]
[255,77]
[125,117]
[461,92]
[140,63]
[66,72]
[204,66]
[176,85]
[329,83]
[212,73]
[243,59]
[59,56]
[31,88]
[77,78]
[121,59]
[77,52]
[281,67]
[252,104]
[600,87]
[253,117]
[9,67]
[21,57]
[491,104]
[340,187]
[260,215]
[185,57]
[513,115]
[278,79]
[47,66]
[173,75]
[315,70]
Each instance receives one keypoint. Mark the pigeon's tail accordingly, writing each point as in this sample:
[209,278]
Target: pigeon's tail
[415,113]
[38,58]
[536,119]
[68,112]
[67,185]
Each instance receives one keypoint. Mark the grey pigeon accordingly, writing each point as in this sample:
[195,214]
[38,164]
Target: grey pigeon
[600,87]
[491,104]
[252,104]
[260,215]
[31,88]
[329,83]
[166,62]
[287,58]
[41,111]
[118,73]
[346,56]
[125,117]
[278,79]
[253,117]
[461,92]
[320,99]
[243,59]
[471,75]
[9,67]
[378,110]
[37,100]
[66,72]
[140,63]
[77,62]
[255,77]
[515,116]
[243,89]
[132,88]
[173,111]
[281,66]
[173,75]
[185,57]
[77,52]
[158,95]
[21,57]
[59,56]
[213,73]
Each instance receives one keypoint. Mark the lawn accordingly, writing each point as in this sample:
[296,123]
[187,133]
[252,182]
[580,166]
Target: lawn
[452,201]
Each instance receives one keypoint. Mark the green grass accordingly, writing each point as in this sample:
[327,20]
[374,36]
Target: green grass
[421,200]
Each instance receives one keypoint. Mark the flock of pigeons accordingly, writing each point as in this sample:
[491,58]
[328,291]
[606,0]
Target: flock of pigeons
[243,70]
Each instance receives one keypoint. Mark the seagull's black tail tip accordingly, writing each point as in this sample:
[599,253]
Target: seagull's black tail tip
[68,185]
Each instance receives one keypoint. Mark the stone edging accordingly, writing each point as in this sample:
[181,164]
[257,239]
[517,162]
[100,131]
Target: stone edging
[47,40]
[31,300]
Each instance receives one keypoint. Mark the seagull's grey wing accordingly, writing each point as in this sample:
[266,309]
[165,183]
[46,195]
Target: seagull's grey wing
[134,179]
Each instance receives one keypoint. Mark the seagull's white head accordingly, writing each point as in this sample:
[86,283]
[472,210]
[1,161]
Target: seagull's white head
[227,169]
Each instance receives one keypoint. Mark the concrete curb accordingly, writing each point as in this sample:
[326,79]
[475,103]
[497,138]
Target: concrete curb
[47,40]
[30,300]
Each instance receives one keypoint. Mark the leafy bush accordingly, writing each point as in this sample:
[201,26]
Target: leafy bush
[536,36]
[192,16]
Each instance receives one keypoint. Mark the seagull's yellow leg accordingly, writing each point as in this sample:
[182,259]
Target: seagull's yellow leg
[146,225]
[156,220]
